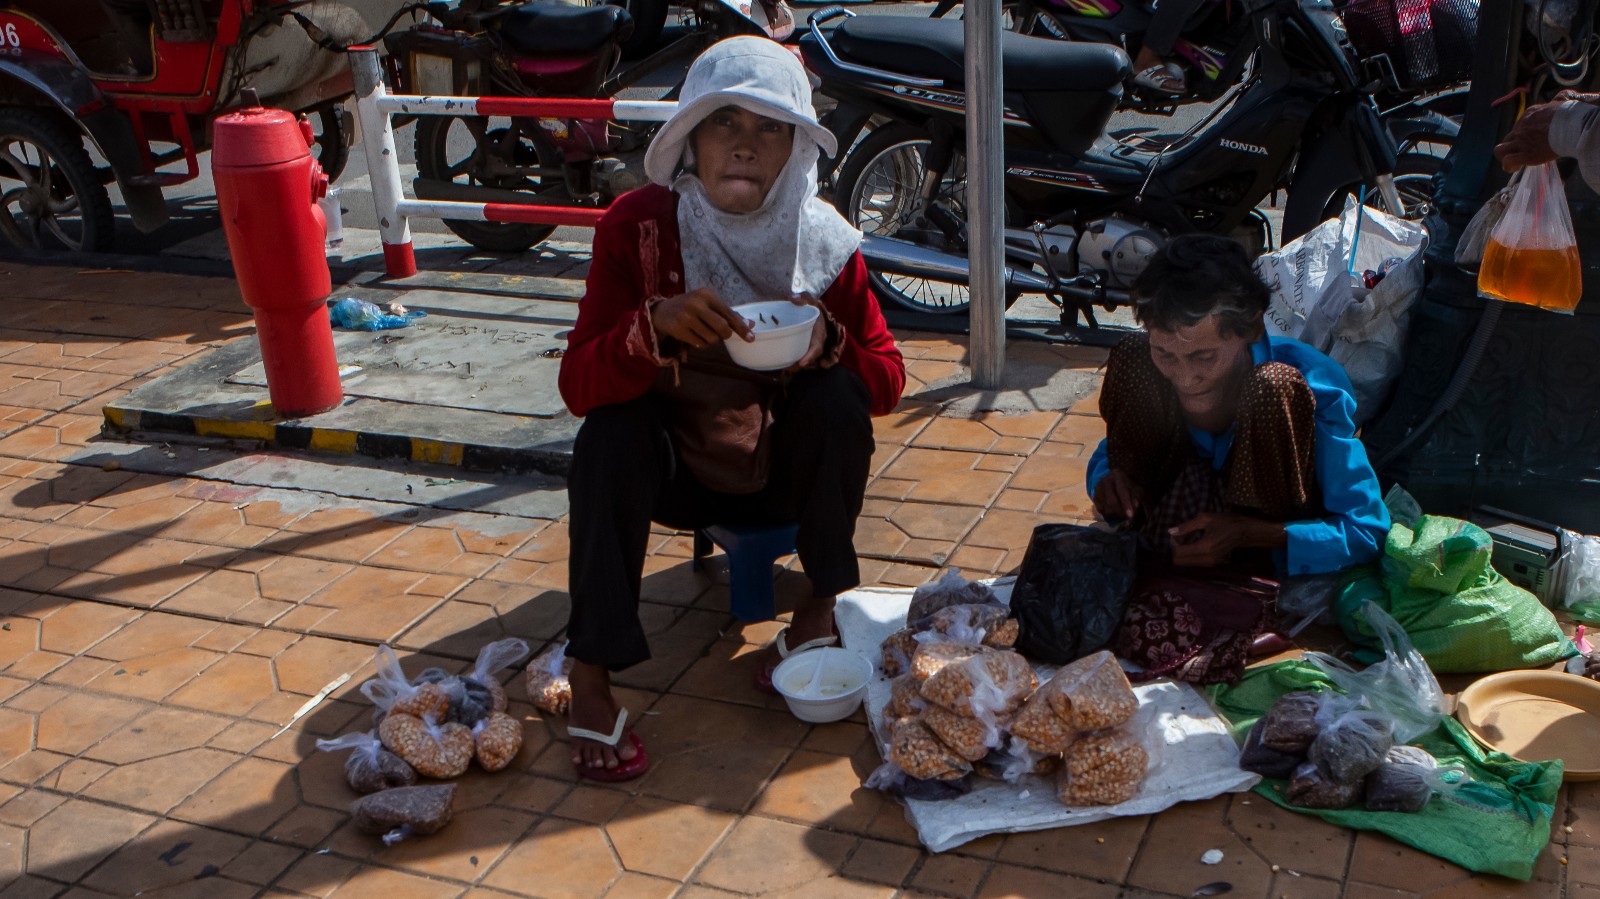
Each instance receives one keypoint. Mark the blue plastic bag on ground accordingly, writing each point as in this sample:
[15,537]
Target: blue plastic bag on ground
[359,315]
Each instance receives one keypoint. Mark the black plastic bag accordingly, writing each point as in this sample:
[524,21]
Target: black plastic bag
[1072,591]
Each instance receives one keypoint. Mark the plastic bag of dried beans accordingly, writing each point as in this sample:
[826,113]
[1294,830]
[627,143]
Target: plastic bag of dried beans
[370,768]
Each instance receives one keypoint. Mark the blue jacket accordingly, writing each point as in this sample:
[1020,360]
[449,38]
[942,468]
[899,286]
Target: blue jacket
[1357,522]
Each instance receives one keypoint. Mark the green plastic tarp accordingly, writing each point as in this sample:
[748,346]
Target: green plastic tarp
[1496,823]
[1436,581]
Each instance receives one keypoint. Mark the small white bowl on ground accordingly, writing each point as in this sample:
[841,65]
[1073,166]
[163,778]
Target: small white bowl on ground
[822,685]
[782,331]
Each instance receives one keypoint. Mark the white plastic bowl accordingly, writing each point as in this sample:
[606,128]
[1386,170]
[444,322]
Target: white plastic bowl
[782,331]
[838,691]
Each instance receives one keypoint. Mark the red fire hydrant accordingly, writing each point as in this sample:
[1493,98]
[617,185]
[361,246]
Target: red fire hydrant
[267,189]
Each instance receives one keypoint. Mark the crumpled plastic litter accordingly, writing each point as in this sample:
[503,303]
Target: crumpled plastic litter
[359,315]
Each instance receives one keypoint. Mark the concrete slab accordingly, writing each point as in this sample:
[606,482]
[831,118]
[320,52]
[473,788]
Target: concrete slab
[443,360]
[475,389]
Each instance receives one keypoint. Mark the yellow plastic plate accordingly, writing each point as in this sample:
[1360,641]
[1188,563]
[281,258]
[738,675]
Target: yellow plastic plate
[1533,716]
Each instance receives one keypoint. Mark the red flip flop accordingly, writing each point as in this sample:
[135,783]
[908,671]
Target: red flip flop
[627,769]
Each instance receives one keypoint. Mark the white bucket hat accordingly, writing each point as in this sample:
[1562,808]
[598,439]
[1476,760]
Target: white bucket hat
[754,73]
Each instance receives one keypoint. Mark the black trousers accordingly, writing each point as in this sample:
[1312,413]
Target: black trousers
[625,475]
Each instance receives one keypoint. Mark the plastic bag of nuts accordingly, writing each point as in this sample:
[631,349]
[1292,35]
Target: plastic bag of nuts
[988,625]
[1039,727]
[905,698]
[370,768]
[435,749]
[990,683]
[392,693]
[498,739]
[492,659]
[898,648]
[1092,693]
[970,738]
[548,687]
[933,655]
[922,755]
[1105,768]
[470,700]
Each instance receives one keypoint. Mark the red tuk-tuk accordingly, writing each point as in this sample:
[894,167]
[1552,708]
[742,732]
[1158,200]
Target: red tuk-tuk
[127,75]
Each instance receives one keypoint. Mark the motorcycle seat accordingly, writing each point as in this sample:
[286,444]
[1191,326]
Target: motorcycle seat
[550,27]
[934,48]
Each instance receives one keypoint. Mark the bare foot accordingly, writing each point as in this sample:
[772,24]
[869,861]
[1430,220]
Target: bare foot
[1145,60]
[594,708]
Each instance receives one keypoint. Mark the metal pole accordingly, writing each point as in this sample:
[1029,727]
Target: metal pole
[985,193]
[383,163]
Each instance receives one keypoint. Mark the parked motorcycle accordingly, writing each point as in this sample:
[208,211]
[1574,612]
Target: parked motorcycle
[544,48]
[1085,212]
[1413,51]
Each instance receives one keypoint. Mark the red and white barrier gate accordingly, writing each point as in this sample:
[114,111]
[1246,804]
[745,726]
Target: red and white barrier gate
[374,105]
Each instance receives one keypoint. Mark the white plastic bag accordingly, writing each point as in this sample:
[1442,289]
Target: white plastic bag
[1318,297]
[1401,686]
[1577,573]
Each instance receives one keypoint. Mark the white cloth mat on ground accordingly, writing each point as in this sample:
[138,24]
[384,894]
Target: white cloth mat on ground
[1192,756]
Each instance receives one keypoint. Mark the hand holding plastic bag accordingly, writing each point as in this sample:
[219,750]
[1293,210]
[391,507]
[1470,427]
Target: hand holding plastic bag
[1532,255]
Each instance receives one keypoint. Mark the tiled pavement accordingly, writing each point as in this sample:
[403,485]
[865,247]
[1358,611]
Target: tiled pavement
[155,633]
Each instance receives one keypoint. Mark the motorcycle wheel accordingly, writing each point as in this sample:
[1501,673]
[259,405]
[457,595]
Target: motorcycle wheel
[467,151]
[51,197]
[331,139]
[877,187]
[1414,178]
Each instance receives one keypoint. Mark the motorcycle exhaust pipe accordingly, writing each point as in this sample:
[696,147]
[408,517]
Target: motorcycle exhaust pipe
[888,256]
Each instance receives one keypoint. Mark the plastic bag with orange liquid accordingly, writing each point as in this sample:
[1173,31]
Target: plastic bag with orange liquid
[1532,255]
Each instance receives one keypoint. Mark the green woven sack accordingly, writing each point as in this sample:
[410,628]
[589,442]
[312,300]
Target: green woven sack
[1436,581]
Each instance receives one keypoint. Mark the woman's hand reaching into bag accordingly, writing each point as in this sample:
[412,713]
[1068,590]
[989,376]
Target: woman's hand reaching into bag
[698,319]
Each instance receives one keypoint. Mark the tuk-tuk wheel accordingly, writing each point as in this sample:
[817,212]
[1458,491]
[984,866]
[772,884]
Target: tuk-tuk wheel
[51,197]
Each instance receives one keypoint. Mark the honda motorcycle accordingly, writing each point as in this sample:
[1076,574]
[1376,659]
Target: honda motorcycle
[1085,212]
[545,48]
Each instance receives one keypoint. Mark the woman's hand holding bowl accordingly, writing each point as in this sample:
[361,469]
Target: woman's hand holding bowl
[698,319]
[819,333]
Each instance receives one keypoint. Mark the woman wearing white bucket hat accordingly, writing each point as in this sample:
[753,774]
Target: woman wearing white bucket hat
[673,431]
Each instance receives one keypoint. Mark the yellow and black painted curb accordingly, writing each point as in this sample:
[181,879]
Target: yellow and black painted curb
[289,435]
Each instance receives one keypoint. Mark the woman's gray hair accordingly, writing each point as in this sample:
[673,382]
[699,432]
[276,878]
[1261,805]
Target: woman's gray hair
[1196,276]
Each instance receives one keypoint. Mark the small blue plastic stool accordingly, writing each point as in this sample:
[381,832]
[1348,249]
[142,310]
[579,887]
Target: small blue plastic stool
[751,552]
